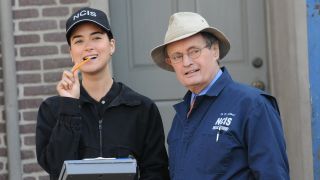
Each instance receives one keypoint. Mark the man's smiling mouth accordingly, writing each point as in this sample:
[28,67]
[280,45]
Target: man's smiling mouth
[192,71]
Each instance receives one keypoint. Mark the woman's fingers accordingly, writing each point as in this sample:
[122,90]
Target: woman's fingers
[69,85]
[67,80]
[68,75]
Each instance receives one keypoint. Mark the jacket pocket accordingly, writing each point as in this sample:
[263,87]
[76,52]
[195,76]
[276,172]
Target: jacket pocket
[215,153]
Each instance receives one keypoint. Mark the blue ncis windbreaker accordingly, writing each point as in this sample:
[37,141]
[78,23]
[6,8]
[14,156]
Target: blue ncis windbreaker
[233,132]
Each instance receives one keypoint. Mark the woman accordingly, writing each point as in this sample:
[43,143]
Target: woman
[96,116]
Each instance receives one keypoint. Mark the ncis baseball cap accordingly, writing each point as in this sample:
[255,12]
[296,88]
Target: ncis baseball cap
[88,15]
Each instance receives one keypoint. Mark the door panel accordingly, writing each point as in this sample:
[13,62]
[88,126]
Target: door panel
[140,25]
[136,27]
[243,22]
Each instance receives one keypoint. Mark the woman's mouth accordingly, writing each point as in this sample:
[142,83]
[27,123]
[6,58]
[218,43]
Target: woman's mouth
[91,57]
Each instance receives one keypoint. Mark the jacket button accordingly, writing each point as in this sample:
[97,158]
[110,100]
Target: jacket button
[103,101]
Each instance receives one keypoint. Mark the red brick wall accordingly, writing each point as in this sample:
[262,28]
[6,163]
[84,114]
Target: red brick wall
[41,55]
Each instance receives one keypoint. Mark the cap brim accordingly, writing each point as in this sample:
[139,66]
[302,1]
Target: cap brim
[158,53]
[70,29]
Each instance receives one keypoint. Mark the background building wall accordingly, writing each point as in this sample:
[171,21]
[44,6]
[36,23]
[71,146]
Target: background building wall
[41,55]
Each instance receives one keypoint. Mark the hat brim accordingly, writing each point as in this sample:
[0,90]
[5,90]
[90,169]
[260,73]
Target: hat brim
[158,54]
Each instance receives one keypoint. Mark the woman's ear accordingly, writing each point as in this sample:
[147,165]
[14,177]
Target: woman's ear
[112,46]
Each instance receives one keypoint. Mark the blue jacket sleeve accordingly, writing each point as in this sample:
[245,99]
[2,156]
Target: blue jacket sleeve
[57,133]
[266,143]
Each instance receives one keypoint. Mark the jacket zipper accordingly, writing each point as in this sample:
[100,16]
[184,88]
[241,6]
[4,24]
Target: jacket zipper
[100,136]
[100,129]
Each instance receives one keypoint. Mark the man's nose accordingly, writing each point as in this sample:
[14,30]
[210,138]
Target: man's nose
[186,60]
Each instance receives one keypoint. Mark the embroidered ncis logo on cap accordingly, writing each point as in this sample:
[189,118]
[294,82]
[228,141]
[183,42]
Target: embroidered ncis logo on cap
[84,13]
[88,15]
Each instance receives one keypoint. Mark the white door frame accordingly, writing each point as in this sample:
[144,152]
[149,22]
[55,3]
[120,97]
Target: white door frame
[289,76]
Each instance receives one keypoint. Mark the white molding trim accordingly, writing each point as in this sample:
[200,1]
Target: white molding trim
[289,80]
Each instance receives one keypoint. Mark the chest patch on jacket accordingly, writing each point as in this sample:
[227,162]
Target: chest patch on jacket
[223,121]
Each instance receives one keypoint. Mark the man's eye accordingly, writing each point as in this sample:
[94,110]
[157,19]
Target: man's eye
[177,57]
[194,51]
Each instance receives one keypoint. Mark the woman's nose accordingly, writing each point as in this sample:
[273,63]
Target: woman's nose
[89,45]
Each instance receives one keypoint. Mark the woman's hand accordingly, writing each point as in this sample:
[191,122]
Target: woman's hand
[69,85]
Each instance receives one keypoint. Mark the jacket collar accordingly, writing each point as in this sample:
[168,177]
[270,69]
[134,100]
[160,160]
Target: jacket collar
[223,81]
[217,87]
[118,94]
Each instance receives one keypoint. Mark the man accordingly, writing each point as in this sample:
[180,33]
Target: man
[97,116]
[222,129]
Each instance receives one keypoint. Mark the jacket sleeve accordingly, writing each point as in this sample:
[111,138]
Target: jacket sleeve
[266,143]
[154,160]
[57,133]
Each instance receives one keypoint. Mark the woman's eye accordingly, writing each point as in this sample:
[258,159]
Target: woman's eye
[96,38]
[77,41]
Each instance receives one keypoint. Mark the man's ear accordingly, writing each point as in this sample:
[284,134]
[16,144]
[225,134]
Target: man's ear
[216,50]
[168,61]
